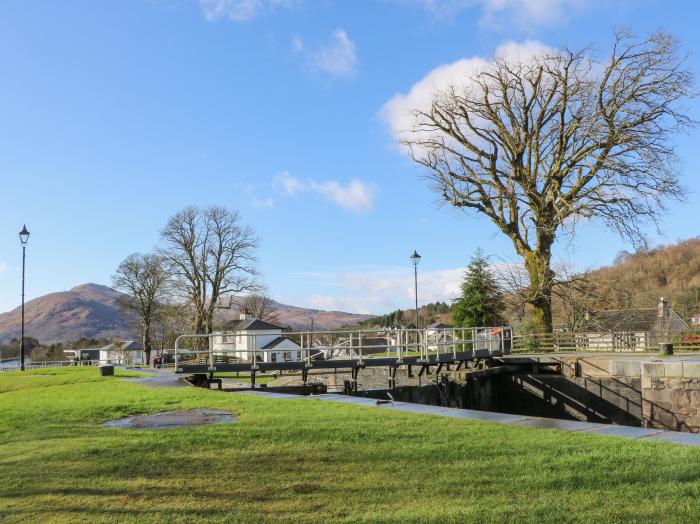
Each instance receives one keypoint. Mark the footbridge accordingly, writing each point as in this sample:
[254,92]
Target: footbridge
[417,349]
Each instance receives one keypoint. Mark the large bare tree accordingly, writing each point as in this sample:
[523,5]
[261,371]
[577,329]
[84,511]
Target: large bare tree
[540,142]
[145,281]
[210,254]
[260,306]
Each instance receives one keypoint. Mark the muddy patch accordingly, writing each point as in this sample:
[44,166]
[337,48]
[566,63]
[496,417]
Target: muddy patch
[173,419]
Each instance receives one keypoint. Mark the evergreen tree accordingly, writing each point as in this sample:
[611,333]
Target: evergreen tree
[481,303]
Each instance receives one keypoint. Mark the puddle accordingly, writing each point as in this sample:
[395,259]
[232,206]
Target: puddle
[173,419]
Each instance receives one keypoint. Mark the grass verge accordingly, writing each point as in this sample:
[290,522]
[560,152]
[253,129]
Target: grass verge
[309,461]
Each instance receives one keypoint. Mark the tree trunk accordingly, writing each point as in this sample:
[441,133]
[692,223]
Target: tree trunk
[146,339]
[538,266]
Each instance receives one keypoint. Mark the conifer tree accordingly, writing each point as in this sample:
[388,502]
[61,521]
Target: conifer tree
[481,303]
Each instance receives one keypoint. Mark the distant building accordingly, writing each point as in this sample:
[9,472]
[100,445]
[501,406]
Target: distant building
[251,339]
[123,352]
[631,329]
[82,354]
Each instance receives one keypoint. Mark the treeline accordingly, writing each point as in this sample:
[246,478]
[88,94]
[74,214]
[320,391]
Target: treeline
[427,314]
[39,351]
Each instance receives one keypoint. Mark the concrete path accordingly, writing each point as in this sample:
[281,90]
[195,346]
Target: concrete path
[674,437]
[164,377]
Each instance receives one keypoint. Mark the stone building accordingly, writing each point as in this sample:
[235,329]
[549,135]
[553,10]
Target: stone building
[631,329]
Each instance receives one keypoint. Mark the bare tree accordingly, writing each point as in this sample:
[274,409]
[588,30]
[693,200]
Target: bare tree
[210,254]
[538,144]
[173,320]
[144,279]
[260,306]
[576,294]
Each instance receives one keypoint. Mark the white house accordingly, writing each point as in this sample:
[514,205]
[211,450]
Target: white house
[250,338]
[125,352]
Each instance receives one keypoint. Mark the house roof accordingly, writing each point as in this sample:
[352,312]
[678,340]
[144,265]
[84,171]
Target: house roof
[124,345]
[637,320]
[276,341]
[253,324]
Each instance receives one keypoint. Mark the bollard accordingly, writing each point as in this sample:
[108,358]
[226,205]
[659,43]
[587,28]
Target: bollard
[666,348]
[105,370]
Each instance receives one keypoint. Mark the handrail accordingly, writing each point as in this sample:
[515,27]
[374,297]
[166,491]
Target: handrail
[353,345]
[41,364]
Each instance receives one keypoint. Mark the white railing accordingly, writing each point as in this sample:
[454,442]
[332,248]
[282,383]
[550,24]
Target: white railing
[357,345]
[62,363]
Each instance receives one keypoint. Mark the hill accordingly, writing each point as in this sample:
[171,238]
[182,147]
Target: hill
[638,280]
[92,311]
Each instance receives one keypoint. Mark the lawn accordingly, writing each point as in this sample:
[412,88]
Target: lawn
[308,461]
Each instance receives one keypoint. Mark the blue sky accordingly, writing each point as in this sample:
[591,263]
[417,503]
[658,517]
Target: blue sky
[115,115]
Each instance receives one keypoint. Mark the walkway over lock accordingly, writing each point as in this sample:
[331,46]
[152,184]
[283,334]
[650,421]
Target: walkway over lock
[352,350]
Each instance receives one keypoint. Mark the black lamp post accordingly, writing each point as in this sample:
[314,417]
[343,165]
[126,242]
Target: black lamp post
[415,258]
[23,237]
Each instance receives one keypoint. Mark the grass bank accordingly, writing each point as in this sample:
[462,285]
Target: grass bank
[306,461]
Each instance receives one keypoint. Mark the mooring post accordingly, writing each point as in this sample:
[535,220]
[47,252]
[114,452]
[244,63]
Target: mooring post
[666,348]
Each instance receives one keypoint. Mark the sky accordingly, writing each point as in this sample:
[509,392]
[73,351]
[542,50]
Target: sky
[115,115]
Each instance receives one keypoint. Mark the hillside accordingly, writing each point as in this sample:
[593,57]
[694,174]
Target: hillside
[88,310]
[638,280]
[92,311]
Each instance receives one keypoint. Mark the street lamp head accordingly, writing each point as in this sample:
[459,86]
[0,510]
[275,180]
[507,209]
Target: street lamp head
[24,235]
[415,257]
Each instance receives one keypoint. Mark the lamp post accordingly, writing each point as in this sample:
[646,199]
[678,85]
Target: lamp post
[23,237]
[415,258]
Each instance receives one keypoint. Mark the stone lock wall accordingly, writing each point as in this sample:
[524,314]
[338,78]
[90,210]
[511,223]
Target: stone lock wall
[671,395]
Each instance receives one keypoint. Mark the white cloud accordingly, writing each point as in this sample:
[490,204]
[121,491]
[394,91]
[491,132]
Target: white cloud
[297,44]
[502,14]
[238,10]
[263,203]
[4,268]
[286,183]
[356,196]
[337,59]
[381,290]
[398,112]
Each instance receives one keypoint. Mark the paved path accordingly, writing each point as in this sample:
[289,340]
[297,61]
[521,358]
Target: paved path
[158,378]
[675,437]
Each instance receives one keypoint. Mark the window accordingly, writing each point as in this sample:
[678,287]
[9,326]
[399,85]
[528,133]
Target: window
[273,357]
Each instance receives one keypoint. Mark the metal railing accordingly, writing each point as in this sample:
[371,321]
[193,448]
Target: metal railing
[13,364]
[356,345]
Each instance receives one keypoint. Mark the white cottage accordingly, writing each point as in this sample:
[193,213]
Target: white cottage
[250,338]
[123,352]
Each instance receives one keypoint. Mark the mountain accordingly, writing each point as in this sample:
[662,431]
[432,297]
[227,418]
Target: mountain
[92,311]
[88,310]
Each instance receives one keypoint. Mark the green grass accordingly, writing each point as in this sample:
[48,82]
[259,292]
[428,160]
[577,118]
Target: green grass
[311,461]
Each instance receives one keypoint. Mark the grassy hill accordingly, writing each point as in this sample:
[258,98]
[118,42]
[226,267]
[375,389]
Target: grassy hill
[304,461]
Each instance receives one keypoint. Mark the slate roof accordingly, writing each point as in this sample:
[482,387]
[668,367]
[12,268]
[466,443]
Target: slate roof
[629,320]
[275,342]
[125,345]
[253,324]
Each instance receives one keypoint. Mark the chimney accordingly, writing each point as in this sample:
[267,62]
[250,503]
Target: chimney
[244,315]
[663,311]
